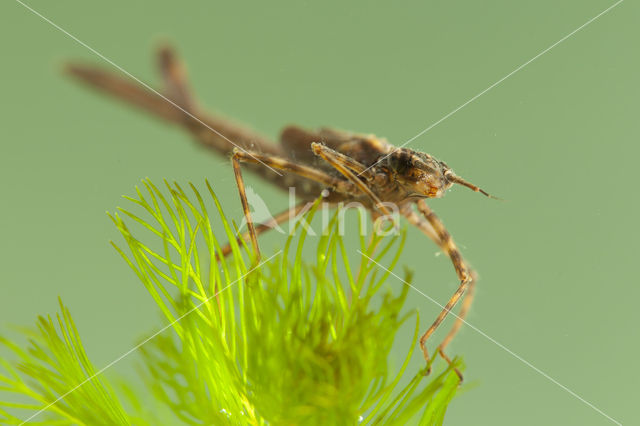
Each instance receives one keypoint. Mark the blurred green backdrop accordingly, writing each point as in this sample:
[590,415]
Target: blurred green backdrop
[558,140]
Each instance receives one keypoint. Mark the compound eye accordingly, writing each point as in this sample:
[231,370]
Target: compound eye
[400,162]
[416,174]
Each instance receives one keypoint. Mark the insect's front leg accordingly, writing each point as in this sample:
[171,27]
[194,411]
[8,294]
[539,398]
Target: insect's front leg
[431,225]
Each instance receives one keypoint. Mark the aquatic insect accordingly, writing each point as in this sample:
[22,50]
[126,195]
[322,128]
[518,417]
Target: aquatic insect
[342,166]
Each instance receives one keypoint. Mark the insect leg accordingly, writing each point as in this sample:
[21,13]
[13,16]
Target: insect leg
[435,229]
[347,166]
[306,172]
[174,103]
[174,75]
[235,159]
[339,185]
[265,226]
[464,310]
[324,151]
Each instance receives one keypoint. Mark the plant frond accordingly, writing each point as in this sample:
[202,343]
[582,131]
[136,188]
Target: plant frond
[289,342]
[54,365]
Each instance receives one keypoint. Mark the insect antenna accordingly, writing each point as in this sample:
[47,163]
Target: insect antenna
[460,181]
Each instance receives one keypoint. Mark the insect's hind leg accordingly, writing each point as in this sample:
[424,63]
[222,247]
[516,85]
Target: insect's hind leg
[174,76]
[435,229]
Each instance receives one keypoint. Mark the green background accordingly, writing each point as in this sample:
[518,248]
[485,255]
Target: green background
[558,140]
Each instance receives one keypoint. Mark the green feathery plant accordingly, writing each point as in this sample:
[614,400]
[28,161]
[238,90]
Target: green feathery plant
[281,342]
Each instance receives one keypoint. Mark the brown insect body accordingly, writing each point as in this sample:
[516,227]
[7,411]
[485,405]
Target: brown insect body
[399,174]
[343,166]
